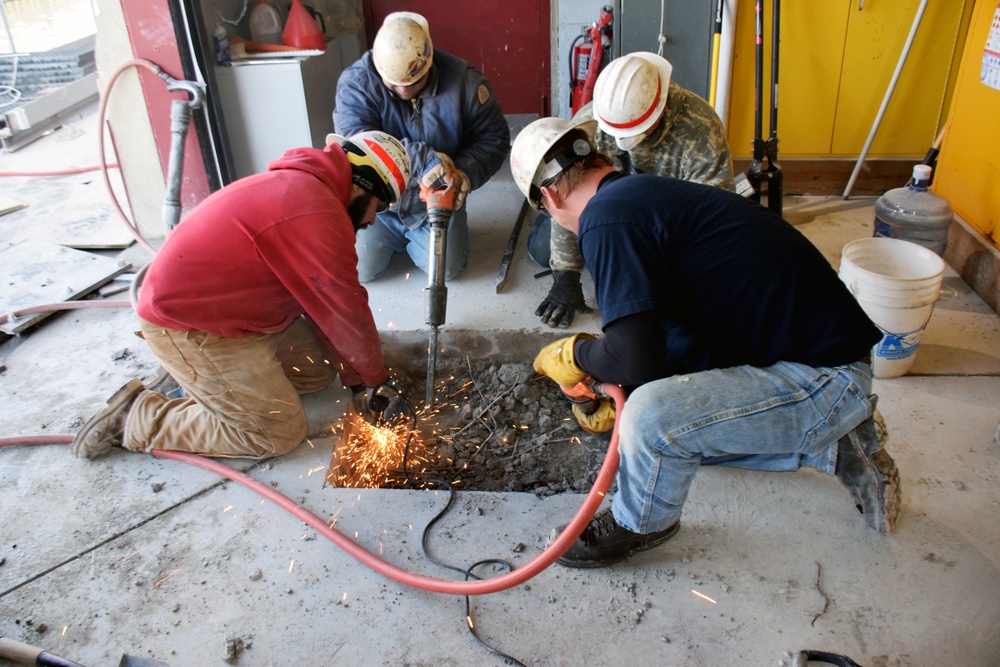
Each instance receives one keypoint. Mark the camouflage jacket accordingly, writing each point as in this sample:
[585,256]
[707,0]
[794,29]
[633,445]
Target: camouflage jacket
[688,144]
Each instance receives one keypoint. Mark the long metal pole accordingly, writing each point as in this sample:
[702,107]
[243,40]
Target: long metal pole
[888,95]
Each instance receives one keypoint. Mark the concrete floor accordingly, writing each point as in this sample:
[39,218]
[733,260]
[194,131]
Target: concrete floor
[154,558]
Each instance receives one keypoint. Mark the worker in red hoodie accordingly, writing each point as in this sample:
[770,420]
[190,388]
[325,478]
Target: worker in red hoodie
[253,300]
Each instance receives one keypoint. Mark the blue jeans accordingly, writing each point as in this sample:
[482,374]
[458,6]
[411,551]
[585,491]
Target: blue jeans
[540,240]
[775,418]
[388,236]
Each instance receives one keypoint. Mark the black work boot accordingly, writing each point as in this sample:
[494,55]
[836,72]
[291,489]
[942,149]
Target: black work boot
[106,429]
[871,476]
[604,542]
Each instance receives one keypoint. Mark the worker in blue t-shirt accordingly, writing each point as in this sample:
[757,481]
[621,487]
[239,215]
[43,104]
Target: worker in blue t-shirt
[733,335]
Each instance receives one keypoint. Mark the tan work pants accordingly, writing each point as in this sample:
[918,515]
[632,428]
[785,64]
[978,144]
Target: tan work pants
[241,394]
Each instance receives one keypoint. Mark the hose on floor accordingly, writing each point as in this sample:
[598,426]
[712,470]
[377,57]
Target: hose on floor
[533,567]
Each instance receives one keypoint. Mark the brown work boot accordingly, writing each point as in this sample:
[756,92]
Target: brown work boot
[106,429]
[870,474]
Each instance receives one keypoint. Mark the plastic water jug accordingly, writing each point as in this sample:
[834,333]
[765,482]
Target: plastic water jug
[265,23]
[914,213]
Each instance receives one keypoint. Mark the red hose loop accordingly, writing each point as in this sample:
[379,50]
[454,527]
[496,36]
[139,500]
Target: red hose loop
[496,584]
[480,587]
[64,305]
[54,439]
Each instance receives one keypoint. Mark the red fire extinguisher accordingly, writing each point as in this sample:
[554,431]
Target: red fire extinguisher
[589,53]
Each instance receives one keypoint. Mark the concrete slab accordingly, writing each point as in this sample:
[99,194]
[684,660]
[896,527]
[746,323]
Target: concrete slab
[156,558]
[41,273]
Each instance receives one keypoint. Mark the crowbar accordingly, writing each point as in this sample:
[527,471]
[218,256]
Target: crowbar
[508,254]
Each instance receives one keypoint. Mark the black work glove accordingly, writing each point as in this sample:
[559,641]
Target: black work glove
[564,299]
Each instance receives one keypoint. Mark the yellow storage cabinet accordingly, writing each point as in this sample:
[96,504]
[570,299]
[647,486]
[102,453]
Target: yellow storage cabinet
[837,59]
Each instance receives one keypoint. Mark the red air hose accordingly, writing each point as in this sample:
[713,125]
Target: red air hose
[480,587]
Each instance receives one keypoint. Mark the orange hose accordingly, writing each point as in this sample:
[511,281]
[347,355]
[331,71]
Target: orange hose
[59,172]
[65,305]
[101,113]
[480,587]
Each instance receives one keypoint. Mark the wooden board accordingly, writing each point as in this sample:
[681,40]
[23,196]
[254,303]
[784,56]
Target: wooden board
[9,204]
[35,273]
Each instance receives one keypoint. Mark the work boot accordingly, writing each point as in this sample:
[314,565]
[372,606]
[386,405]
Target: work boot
[106,429]
[604,542]
[871,476]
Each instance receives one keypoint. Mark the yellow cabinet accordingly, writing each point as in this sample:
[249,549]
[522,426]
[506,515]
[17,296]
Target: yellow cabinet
[837,59]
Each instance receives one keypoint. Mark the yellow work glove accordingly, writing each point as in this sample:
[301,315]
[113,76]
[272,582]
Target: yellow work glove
[556,361]
[436,176]
[600,420]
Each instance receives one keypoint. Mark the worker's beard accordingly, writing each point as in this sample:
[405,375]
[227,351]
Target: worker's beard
[358,209]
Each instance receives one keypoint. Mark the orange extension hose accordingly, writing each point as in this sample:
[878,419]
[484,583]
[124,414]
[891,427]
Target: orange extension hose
[480,587]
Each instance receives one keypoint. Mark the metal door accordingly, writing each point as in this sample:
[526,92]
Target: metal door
[507,41]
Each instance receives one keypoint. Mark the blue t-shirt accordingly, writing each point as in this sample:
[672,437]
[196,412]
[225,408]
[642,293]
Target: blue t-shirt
[730,281]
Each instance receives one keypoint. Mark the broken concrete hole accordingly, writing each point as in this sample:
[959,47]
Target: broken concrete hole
[496,424]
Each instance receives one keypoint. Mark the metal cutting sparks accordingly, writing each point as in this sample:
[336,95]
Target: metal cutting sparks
[371,456]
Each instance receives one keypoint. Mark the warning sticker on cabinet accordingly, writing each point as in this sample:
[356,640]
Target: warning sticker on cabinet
[990,73]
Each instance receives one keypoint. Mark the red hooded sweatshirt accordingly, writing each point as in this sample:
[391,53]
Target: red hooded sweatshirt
[264,250]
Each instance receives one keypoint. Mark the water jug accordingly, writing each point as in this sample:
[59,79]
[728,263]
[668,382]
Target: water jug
[914,213]
[265,23]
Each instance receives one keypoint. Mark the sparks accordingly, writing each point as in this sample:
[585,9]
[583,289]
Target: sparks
[164,579]
[371,456]
[703,597]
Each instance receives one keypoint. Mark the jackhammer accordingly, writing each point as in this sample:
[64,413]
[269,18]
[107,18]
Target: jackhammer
[440,204]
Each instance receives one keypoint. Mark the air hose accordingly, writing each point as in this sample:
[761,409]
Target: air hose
[533,567]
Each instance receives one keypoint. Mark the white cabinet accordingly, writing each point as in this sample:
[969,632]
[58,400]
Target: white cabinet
[271,105]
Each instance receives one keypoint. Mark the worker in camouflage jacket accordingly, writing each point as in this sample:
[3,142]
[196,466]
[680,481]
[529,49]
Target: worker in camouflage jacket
[646,124]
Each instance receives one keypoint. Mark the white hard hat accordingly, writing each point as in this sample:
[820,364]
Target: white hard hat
[631,93]
[379,163]
[528,161]
[403,51]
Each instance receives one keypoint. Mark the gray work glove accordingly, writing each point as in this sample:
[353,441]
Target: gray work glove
[563,300]
[380,405]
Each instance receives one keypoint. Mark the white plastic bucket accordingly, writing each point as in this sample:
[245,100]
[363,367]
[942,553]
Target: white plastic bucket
[896,282]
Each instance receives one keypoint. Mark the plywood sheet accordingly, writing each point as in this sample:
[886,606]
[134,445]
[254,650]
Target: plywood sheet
[9,204]
[73,210]
[35,273]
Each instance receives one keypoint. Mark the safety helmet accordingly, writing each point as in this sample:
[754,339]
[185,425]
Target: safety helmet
[402,50]
[631,93]
[528,154]
[379,163]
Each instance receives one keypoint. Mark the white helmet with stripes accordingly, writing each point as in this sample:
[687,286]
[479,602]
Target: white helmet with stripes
[379,163]
[631,94]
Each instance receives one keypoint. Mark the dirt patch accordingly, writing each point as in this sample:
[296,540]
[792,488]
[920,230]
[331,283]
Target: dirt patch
[502,427]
